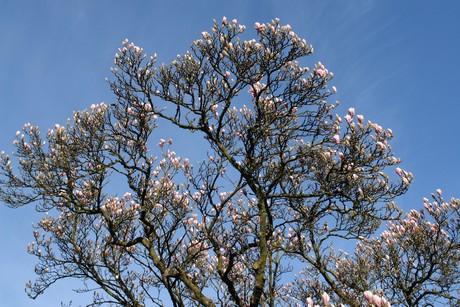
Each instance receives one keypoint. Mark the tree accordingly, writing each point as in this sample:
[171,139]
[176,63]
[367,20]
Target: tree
[284,179]
[416,261]
[413,263]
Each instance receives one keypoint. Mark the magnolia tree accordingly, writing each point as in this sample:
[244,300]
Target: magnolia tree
[413,263]
[283,180]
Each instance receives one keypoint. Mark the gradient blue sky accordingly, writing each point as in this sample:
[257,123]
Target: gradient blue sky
[396,62]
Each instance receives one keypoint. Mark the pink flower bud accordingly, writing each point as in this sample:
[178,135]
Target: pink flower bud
[368,295]
[259,27]
[320,72]
[351,111]
[377,300]
[348,118]
[325,298]
[381,145]
[337,139]
[390,132]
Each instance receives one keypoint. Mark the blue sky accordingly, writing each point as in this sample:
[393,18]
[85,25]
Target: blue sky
[396,62]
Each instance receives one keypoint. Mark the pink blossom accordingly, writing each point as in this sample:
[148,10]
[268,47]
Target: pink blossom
[214,109]
[377,128]
[186,162]
[390,132]
[381,145]
[377,300]
[325,298]
[320,72]
[398,171]
[360,118]
[351,111]
[259,27]
[368,295]
[224,20]
[158,206]
[337,139]
[348,118]
[439,191]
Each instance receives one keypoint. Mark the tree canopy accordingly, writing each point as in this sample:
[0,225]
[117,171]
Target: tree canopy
[263,220]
